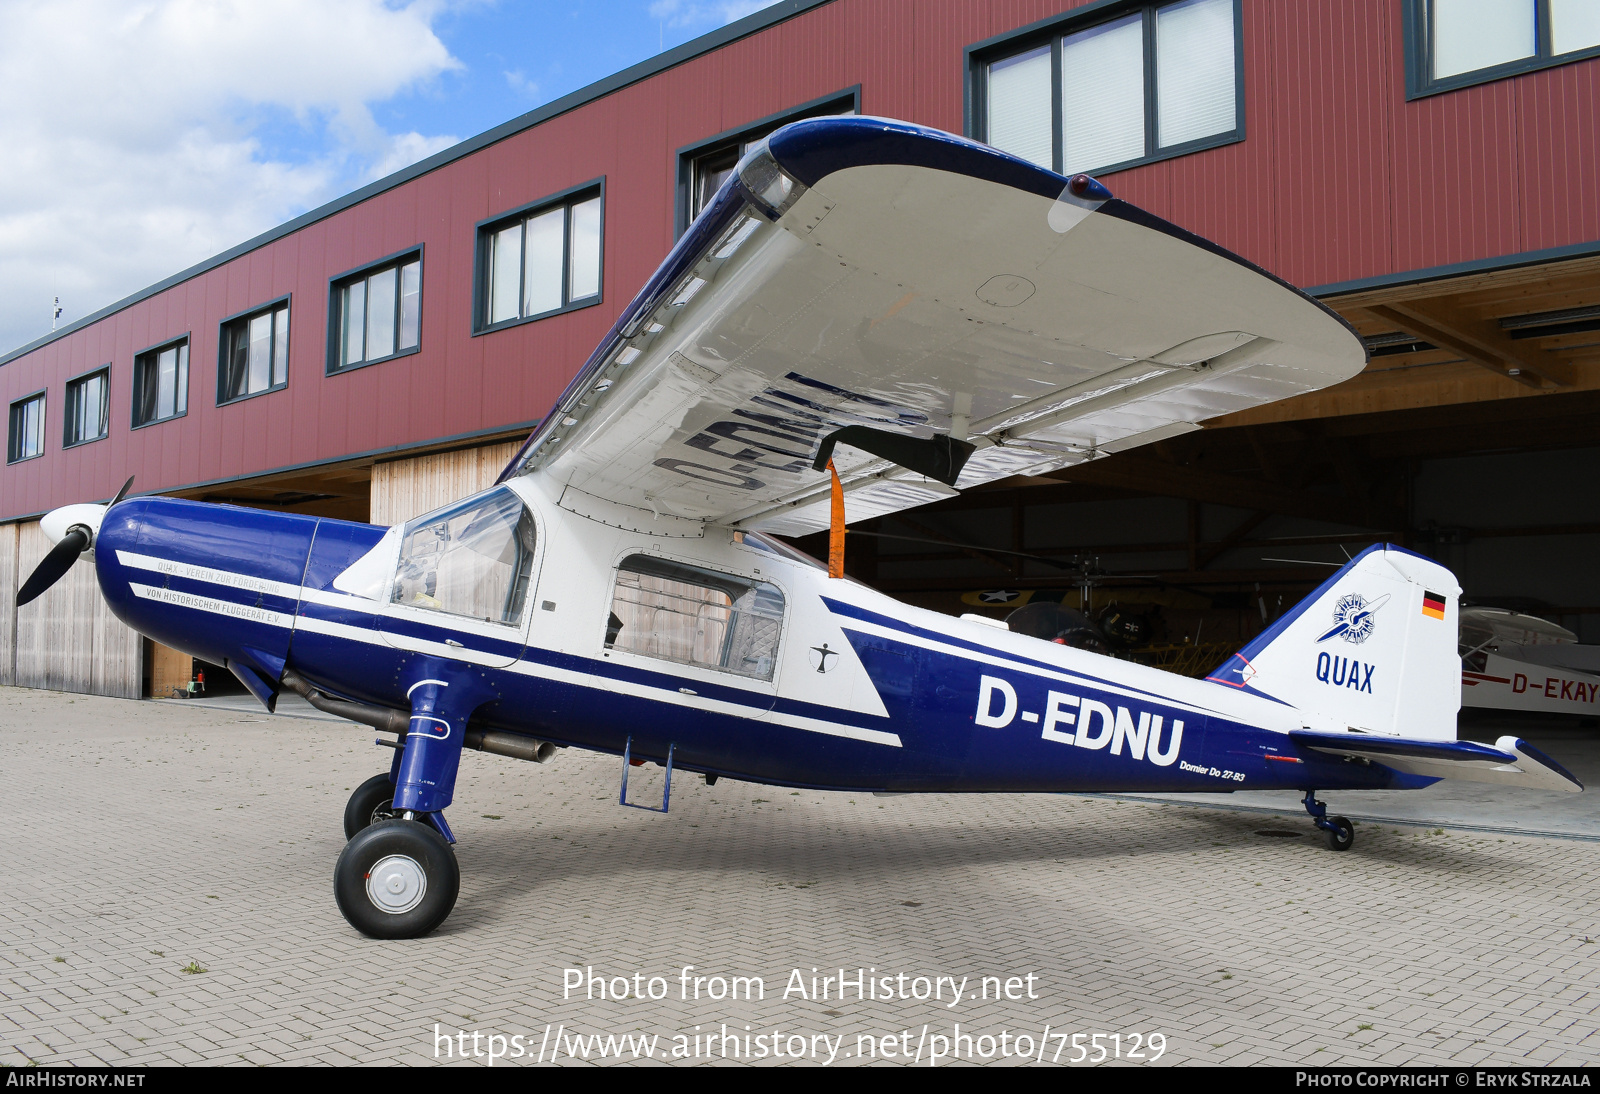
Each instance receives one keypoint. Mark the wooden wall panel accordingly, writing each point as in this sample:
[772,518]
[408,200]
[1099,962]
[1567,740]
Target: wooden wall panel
[68,640]
[169,668]
[402,489]
[8,603]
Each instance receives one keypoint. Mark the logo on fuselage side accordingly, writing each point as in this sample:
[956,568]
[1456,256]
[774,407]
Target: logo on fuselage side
[1354,618]
[1080,721]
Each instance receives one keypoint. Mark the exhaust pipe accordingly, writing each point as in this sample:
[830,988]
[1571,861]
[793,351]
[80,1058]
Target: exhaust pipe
[398,722]
[385,718]
[514,745]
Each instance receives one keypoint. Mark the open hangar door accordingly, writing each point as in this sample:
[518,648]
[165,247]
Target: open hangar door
[1472,437]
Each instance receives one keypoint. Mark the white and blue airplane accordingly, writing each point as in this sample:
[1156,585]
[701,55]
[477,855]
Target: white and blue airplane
[921,314]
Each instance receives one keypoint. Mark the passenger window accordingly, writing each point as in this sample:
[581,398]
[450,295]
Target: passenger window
[473,558]
[695,617]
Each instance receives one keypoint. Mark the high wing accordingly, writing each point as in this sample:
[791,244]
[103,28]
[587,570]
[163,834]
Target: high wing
[865,272]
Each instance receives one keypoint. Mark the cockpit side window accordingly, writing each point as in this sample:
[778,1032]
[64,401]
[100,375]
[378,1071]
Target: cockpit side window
[474,558]
[693,616]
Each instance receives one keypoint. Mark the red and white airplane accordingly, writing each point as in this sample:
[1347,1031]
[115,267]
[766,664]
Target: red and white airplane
[1512,661]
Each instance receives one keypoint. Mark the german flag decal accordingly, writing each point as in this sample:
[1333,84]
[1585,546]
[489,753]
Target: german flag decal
[1433,605]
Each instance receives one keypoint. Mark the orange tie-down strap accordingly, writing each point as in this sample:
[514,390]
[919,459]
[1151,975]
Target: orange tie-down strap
[836,527]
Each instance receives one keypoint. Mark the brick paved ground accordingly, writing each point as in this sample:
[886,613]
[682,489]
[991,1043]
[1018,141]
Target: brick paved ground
[143,837]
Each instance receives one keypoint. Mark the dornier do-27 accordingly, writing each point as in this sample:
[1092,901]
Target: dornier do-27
[869,316]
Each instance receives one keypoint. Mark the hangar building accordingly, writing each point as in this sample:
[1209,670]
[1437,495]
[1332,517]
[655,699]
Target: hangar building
[1428,168]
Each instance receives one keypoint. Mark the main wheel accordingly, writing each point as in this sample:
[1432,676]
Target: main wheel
[372,802]
[1343,835]
[396,879]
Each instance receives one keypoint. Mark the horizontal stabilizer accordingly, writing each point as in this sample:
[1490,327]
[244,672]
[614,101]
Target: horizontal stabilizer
[1510,761]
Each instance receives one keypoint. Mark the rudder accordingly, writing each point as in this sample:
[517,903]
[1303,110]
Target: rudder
[1373,649]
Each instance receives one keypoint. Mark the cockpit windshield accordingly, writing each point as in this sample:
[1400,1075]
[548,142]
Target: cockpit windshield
[473,559]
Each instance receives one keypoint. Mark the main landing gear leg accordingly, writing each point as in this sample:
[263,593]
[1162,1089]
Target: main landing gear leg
[1341,833]
[398,878]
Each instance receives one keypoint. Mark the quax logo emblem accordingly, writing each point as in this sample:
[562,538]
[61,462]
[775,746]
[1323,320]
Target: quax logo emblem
[1087,723]
[1354,618]
[1345,672]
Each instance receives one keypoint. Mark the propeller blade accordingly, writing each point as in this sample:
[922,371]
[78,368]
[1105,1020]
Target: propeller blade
[123,492]
[56,563]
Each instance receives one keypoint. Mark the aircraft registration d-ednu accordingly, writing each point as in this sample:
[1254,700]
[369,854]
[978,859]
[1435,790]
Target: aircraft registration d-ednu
[869,316]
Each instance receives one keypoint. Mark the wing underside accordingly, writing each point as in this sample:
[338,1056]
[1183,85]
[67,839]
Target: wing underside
[862,272]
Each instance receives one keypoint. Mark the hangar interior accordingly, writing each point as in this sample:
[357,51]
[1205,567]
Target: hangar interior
[1471,437]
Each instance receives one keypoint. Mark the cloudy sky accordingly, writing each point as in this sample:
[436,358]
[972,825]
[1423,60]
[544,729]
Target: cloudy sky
[141,136]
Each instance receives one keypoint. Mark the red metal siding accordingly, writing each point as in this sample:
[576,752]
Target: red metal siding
[1339,178]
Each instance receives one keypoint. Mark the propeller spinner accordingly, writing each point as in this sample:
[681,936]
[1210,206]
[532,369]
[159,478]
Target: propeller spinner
[73,528]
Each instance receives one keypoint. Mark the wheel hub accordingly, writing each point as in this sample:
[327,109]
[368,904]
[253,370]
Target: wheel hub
[396,884]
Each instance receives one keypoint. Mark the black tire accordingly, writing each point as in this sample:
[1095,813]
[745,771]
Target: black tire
[1343,835]
[405,864]
[372,802]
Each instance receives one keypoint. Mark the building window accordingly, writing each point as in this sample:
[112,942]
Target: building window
[695,617]
[88,408]
[704,167]
[25,438]
[541,260]
[254,353]
[376,313]
[161,383]
[1456,43]
[1156,81]
[708,172]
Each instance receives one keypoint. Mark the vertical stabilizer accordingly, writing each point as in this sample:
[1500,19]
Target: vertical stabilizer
[1372,650]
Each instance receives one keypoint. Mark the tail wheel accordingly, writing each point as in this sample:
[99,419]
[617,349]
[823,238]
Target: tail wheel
[396,879]
[373,801]
[1342,836]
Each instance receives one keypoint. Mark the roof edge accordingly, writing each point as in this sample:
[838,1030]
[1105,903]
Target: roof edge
[1457,269]
[688,51]
[499,434]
